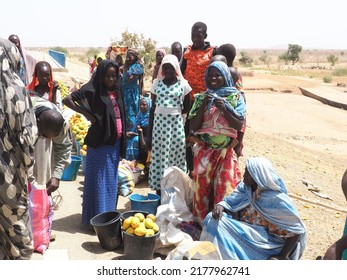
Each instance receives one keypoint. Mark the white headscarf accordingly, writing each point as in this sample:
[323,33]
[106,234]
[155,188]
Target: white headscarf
[171,59]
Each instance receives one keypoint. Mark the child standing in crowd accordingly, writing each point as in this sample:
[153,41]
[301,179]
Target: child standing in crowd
[215,118]
[43,85]
[229,51]
[158,58]
[196,58]
[170,92]
[103,106]
[137,138]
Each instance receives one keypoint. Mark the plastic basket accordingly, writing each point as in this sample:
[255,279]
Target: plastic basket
[147,203]
[70,172]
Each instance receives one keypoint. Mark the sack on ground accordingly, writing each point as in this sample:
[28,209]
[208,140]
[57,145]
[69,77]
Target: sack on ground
[126,182]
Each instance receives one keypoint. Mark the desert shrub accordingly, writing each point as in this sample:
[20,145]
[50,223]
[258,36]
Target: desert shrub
[327,79]
[340,72]
[245,59]
[332,59]
[60,49]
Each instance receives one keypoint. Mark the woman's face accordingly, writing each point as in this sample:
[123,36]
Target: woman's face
[169,71]
[130,58]
[249,181]
[215,78]
[159,57]
[44,74]
[110,79]
[143,106]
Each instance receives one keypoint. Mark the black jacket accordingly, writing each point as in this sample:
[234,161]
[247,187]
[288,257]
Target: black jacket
[93,97]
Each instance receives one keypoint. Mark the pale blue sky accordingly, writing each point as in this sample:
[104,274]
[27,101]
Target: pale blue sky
[245,23]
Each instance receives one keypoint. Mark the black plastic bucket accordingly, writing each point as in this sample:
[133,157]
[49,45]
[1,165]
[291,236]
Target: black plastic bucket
[139,247]
[108,229]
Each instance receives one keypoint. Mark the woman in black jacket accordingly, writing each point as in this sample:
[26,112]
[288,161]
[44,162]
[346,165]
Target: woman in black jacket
[101,102]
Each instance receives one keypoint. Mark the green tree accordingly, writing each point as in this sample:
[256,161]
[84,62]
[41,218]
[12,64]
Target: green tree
[332,59]
[145,46]
[245,59]
[292,54]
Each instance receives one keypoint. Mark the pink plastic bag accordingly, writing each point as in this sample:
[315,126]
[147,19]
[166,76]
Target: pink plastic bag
[41,216]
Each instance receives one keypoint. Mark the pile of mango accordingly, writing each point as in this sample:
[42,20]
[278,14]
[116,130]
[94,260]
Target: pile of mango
[79,127]
[64,90]
[140,225]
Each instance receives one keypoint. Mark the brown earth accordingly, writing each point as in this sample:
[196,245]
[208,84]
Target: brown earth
[304,139]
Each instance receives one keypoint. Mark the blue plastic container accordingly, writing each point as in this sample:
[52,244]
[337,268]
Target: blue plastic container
[70,172]
[147,203]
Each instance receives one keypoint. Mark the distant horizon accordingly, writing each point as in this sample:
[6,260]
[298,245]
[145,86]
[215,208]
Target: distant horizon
[254,24]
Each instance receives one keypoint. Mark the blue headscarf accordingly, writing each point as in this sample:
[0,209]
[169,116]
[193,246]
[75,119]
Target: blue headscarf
[228,90]
[142,118]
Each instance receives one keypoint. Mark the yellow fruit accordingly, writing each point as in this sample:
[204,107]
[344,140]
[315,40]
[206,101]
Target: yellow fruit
[84,147]
[149,223]
[130,230]
[151,216]
[127,223]
[155,227]
[140,231]
[140,216]
[135,222]
[149,232]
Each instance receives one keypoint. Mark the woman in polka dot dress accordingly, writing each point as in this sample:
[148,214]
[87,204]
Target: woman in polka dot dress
[170,99]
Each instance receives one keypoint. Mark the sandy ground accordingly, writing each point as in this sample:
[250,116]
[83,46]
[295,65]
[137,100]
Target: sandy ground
[304,139]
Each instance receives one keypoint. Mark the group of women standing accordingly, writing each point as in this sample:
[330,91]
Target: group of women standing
[118,111]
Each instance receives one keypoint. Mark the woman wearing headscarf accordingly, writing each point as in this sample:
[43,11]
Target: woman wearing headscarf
[215,118]
[101,102]
[258,221]
[132,86]
[170,103]
[17,136]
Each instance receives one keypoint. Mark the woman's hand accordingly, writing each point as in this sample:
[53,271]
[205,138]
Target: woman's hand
[130,134]
[55,85]
[217,212]
[219,103]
